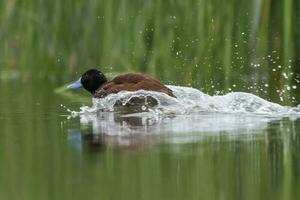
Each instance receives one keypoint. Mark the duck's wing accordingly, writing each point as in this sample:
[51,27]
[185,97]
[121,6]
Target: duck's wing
[130,78]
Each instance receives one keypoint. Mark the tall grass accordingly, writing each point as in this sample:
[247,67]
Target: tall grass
[209,44]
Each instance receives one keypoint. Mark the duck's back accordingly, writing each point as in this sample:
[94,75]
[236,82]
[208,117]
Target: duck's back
[132,82]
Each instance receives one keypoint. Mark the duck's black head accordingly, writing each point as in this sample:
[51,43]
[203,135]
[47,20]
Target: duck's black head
[91,80]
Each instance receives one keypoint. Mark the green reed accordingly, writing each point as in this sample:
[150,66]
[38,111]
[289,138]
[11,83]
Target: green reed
[212,45]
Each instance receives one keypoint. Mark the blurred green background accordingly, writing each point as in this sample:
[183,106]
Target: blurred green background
[216,46]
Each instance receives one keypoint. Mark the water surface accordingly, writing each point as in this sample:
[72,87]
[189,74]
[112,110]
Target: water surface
[45,155]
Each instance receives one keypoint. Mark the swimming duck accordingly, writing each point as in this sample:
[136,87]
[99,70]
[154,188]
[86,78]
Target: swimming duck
[97,84]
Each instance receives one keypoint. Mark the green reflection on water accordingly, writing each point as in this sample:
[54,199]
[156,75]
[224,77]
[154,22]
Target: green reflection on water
[39,160]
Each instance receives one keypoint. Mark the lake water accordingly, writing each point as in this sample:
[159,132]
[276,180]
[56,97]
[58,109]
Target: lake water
[49,153]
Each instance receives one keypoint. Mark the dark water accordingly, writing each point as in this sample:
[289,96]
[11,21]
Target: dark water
[44,155]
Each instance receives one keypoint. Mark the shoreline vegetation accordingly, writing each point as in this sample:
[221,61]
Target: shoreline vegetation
[250,46]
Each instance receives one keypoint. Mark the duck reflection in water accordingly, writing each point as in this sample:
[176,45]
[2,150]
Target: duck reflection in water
[126,126]
[135,126]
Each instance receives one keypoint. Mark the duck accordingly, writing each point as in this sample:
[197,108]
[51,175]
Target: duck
[94,81]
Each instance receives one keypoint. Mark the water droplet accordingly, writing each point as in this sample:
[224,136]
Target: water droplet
[281,99]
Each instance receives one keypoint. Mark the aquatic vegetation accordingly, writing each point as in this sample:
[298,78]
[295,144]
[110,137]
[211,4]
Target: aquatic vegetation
[242,47]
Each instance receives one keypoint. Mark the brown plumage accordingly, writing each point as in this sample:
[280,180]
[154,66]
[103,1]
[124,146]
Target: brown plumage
[131,82]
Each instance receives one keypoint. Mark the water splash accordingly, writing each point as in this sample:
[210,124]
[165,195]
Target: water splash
[189,101]
[191,116]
